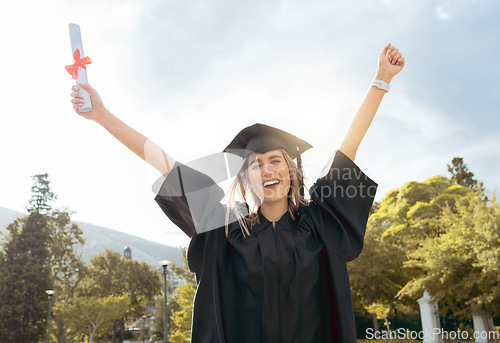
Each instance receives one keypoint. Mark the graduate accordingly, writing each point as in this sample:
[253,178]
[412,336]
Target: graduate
[270,265]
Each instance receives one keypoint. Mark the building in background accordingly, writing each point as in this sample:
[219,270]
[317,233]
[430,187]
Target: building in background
[127,253]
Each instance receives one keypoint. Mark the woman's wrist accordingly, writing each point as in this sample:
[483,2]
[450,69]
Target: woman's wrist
[384,76]
[103,117]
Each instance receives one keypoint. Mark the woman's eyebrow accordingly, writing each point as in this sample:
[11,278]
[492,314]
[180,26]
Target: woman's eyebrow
[258,160]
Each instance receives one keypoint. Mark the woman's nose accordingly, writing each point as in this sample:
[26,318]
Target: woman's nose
[267,170]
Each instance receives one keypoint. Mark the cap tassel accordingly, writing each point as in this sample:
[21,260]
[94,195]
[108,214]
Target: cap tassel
[299,166]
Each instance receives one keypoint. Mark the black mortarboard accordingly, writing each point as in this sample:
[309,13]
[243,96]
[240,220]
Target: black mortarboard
[263,138]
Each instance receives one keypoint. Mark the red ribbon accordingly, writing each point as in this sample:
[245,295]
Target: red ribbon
[79,62]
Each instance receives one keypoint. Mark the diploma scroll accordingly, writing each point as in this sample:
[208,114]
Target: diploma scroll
[76,43]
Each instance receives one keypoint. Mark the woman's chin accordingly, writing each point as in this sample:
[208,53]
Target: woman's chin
[274,199]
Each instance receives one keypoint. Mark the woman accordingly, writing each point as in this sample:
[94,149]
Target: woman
[273,267]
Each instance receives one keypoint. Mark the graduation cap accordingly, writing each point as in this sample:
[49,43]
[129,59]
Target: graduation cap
[260,138]
[263,138]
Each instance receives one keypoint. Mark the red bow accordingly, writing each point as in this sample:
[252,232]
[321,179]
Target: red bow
[79,62]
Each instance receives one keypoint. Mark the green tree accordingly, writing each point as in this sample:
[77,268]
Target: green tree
[376,275]
[460,266]
[399,225]
[41,195]
[179,329]
[380,311]
[408,214]
[40,252]
[111,274]
[65,247]
[25,278]
[460,173]
[66,243]
[26,267]
[91,316]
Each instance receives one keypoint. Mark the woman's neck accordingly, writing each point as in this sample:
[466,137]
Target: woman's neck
[274,211]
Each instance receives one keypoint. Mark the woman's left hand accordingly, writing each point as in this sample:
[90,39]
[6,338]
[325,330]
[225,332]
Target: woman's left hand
[390,61]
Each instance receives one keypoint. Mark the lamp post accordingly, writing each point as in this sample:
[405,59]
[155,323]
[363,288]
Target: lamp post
[50,293]
[164,264]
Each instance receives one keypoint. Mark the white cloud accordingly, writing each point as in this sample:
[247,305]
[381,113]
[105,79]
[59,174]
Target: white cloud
[431,123]
[441,13]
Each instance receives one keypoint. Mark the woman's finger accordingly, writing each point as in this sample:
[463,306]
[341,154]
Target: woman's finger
[77,101]
[76,95]
[396,57]
[386,48]
[393,53]
[76,107]
[88,88]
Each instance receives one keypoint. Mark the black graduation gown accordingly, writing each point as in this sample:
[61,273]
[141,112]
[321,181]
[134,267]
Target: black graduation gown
[287,283]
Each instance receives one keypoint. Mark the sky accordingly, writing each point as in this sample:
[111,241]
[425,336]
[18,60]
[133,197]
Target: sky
[189,75]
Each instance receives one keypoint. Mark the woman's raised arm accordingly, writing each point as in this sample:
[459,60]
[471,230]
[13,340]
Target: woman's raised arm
[133,140]
[390,62]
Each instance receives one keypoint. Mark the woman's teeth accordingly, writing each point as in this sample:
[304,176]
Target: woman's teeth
[270,183]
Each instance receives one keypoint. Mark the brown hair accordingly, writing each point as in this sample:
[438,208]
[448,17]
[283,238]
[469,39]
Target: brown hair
[241,187]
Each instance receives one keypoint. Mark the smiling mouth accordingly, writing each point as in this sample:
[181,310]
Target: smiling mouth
[271,183]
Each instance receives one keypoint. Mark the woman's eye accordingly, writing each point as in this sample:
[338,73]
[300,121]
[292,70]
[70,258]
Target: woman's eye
[275,161]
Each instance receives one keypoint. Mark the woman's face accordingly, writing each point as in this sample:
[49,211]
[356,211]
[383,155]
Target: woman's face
[269,176]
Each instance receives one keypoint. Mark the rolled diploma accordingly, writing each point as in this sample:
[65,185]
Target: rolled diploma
[76,43]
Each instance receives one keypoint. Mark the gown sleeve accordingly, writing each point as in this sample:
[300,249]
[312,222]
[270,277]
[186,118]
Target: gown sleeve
[340,205]
[192,202]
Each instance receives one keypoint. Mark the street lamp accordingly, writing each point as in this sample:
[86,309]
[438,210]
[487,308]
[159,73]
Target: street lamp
[164,264]
[50,293]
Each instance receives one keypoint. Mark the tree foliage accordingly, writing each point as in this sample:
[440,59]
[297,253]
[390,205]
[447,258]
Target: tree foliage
[39,254]
[180,317]
[111,274]
[401,223]
[110,280]
[25,278]
[65,247]
[460,173]
[41,195]
[440,235]
[461,265]
[376,275]
[91,315]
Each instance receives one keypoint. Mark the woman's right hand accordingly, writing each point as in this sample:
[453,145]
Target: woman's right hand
[77,101]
